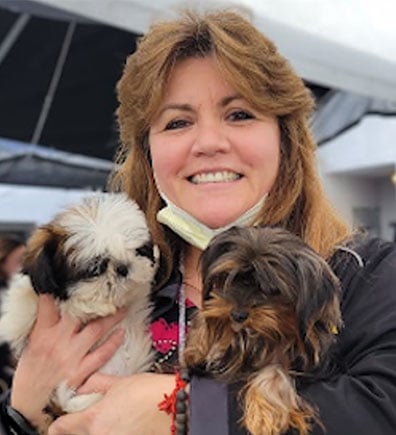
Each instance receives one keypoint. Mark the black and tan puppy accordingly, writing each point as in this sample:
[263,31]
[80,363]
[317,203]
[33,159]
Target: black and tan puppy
[94,258]
[270,313]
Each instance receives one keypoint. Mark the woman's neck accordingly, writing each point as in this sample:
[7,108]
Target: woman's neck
[191,277]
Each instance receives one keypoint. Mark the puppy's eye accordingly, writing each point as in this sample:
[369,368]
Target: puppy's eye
[97,268]
[146,250]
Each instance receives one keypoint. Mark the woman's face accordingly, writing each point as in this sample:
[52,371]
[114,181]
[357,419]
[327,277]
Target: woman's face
[213,155]
[13,263]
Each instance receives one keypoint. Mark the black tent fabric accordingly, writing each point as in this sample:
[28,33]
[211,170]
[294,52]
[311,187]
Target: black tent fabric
[80,118]
[33,165]
[338,111]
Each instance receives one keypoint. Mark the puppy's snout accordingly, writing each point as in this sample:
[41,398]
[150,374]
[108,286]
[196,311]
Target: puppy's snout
[239,316]
[122,270]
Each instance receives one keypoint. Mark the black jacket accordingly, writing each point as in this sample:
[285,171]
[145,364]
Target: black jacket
[356,395]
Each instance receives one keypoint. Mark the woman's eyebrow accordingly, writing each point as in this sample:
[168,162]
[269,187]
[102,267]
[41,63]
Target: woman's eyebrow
[176,106]
[185,107]
[229,99]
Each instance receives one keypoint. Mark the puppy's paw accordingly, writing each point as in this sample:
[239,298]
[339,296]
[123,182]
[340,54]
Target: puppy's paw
[272,405]
[81,402]
[69,401]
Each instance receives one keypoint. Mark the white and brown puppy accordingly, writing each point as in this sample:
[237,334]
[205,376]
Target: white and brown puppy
[93,258]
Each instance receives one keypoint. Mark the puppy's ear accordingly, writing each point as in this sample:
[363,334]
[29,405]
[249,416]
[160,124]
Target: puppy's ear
[317,305]
[150,251]
[42,261]
[215,262]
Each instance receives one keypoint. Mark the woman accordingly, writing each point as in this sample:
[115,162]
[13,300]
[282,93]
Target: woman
[214,126]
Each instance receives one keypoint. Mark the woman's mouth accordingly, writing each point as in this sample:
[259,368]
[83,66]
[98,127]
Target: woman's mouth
[214,177]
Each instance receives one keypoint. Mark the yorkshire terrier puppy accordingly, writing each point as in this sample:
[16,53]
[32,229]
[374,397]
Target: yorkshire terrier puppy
[270,313]
[93,258]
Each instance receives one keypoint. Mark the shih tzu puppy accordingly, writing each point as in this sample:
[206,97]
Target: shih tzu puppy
[270,314]
[93,258]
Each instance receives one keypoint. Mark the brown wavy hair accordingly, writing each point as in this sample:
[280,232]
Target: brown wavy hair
[253,66]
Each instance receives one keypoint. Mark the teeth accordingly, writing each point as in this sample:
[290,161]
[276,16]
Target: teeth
[215,177]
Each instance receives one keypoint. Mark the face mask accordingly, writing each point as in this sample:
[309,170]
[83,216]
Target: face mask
[193,231]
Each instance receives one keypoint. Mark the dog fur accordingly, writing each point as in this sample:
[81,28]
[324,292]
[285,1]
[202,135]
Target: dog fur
[270,311]
[93,258]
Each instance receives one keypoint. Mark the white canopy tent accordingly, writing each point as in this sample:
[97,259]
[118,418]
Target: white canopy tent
[348,45]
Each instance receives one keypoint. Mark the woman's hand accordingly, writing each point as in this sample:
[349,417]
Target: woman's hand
[58,350]
[129,406]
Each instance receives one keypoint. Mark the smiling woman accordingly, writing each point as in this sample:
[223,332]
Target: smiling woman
[214,125]
[209,146]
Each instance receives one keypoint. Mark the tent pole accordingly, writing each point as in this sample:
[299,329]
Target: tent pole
[13,35]
[54,83]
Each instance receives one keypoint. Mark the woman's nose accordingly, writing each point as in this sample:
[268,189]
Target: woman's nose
[210,139]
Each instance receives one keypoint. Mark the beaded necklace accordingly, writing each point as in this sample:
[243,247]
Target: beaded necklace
[176,403]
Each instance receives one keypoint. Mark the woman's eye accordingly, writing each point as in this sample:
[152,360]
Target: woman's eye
[175,124]
[240,115]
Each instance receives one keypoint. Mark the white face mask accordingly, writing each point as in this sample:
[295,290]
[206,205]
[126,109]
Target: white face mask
[193,231]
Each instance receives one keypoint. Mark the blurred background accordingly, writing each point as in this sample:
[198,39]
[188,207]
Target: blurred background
[60,61]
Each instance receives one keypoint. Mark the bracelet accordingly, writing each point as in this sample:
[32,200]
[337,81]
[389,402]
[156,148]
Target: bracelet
[176,404]
[18,423]
[14,421]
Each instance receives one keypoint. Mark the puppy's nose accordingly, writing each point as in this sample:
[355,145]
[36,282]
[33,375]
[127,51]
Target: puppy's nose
[239,316]
[122,270]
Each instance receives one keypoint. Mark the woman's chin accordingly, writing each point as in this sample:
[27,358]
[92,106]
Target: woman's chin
[215,222]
